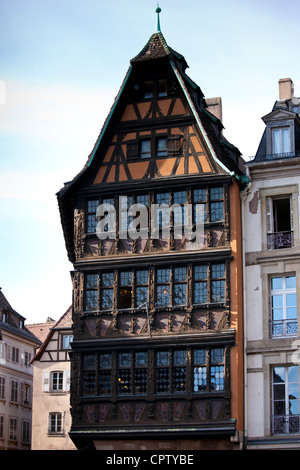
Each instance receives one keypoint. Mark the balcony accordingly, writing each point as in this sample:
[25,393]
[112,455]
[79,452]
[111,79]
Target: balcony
[284,424]
[279,328]
[278,240]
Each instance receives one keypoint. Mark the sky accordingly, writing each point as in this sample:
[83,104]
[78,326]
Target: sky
[62,63]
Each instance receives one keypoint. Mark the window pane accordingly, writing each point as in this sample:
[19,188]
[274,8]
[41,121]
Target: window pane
[179,357]
[199,195]
[179,297]
[143,199]
[104,382]
[276,141]
[107,279]
[142,276]
[217,355]
[105,361]
[125,360]
[286,140]
[124,373]
[141,294]
[106,299]
[279,375]
[218,291]
[126,278]
[180,274]
[145,149]
[124,381]
[140,380]
[200,356]
[200,272]
[200,292]
[217,378]
[162,198]
[162,147]
[291,282]
[91,300]
[91,281]
[216,211]
[218,270]
[179,197]
[163,275]
[179,379]
[141,359]
[276,283]
[162,358]
[162,380]
[216,193]
[163,295]
[199,379]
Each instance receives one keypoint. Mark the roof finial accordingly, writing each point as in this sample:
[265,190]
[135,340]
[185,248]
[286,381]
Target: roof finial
[158,10]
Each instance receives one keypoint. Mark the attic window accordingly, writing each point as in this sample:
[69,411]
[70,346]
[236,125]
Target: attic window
[162,88]
[148,90]
[281,142]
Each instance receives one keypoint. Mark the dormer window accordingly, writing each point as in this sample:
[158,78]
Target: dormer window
[281,141]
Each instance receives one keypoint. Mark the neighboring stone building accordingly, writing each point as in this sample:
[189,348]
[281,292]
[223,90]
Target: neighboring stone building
[17,347]
[157,357]
[272,279]
[51,419]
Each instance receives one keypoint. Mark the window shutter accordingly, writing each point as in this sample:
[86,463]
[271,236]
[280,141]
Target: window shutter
[22,398]
[292,215]
[7,351]
[132,150]
[46,382]
[269,221]
[173,144]
[68,380]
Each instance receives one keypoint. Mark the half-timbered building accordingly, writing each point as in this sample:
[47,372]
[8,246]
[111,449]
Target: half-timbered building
[157,351]
[51,418]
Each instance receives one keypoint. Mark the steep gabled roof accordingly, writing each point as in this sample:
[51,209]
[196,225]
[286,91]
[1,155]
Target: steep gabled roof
[157,48]
[64,322]
[12,323]
[226,156]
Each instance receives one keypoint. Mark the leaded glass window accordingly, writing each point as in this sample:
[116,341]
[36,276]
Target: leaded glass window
[218,282]
[91,292]
[200,370]
[105,366]
[208,370]
[125,289]
[179,286]
[106,302]
[163,211]
[132,373]
[162,371]
[200,284]
[89,374]
[161,147]
[163,287]
[179,371]
[141,289]
[145,148]
[91,215]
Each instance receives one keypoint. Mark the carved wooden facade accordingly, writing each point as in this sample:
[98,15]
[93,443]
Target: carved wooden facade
[155,322]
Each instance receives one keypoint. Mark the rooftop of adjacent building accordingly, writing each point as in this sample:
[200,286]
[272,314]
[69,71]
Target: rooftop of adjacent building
[11,321]
[44,331]
[285,110]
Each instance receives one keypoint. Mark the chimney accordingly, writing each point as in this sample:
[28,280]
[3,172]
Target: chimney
[214,105]
[286,89]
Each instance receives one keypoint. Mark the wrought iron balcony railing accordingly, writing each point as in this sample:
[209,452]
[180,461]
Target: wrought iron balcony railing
[278,240]
[285,424]
[283,328]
